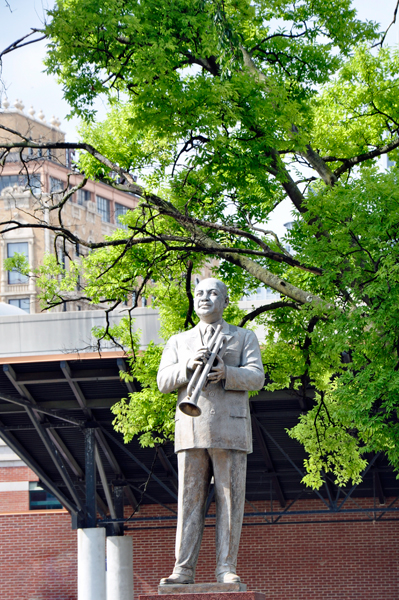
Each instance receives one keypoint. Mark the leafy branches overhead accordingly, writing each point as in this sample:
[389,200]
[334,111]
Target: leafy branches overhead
[218,107]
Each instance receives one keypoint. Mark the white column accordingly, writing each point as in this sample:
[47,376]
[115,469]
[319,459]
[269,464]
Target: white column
[119,567]
[91,564]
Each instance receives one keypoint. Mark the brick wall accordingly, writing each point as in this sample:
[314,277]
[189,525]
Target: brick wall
[37,557]
[14,489]
[17,474]
[312,561]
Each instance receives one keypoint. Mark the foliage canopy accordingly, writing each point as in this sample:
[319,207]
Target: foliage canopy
[221,107]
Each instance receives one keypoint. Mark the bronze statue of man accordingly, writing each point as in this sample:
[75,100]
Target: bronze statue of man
[216,442]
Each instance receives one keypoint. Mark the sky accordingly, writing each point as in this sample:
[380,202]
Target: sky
[24,77]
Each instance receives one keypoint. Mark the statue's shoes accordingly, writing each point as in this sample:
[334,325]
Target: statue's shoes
[176,578]
[228,577]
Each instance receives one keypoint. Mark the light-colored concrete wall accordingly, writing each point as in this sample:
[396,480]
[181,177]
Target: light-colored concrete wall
[8,458]
[69,332]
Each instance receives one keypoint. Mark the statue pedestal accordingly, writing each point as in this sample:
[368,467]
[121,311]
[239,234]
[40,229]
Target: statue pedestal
[202,588]
[205,591]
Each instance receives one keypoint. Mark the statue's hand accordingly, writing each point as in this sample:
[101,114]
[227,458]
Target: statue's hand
[199,358]
[218,371]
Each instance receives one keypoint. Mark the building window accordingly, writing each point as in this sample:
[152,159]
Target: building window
[69,156]
[39,499]
[23,303]
[21,180]
[61,257]
[196,281]
[15,276]
[56,185]
[120,210]
[143,301]
[83,196]
[104,209]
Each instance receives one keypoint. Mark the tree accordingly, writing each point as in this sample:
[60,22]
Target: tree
[221,107]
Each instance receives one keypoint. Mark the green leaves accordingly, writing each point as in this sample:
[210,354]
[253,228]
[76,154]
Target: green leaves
[148,413]
[209,103]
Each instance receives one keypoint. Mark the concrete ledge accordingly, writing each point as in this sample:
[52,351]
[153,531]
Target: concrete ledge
[201,588]
[69,332]
[214,595]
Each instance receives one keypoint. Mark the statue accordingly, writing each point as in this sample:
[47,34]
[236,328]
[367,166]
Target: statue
[218,440]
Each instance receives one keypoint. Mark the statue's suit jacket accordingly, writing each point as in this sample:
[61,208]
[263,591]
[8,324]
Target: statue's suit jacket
[225,419]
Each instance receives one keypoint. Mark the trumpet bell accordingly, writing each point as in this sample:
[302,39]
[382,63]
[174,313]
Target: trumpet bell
[189,408]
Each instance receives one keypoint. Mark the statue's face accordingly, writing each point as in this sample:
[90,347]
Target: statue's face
[210,300]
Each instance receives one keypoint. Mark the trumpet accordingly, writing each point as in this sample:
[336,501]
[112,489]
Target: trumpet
[189,406]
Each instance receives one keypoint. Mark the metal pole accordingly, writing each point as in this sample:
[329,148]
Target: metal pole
[119,508]
[90,473]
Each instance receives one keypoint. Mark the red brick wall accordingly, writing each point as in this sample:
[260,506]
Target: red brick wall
[37,557]
[14,502]
[312,561]
[17,474]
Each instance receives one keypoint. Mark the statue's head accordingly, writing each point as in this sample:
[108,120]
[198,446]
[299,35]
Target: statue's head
[210,299]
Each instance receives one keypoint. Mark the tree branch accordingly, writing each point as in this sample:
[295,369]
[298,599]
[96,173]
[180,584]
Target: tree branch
[257,271]
[16,45]
[356,160]
[264,308]
[267,251]
[190,310]
[395,13]
[317,162]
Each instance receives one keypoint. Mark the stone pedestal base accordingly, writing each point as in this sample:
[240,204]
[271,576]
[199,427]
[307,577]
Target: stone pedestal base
[202,588]
[205,591]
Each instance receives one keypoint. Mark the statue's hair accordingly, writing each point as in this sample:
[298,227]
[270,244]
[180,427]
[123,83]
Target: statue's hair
[220,284]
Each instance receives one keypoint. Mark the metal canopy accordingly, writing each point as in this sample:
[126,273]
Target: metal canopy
[55,414]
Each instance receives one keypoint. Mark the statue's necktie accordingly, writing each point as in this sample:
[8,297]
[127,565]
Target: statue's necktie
[208,335]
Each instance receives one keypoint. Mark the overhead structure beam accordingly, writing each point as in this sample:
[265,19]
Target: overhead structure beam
[47,437]
[78,393]
[55,439]
[378,486]
[167,465]
[55,456]
[362,475]
[142,465]
[147,495]
[76,389]
[69,459]
[104,483]
[330,491]
[56,377]
[121,362]
[22,389]
[54,408]
[268,460]
[24,455]
[55,413]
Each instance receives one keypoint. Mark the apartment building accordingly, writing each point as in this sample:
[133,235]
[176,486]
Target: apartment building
[31,181]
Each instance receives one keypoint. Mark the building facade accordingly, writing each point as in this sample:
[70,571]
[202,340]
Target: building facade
[31,183]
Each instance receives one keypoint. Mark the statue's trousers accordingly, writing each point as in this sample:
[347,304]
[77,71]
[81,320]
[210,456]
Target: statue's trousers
[196,467]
